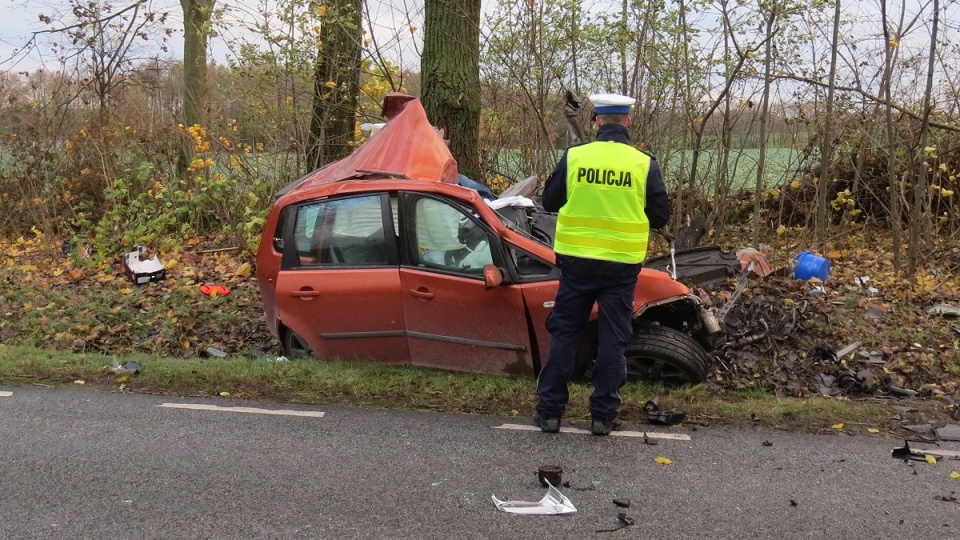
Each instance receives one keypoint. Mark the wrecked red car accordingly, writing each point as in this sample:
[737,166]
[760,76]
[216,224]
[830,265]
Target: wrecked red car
[383,256]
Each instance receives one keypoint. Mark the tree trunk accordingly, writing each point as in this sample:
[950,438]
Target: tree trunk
[196,29]
[920,215]
[823,221]
[764,112]
[450,77]
[336,84]
[895,225]
[196,21]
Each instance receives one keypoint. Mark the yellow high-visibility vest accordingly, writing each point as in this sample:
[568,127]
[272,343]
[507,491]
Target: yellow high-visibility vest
[604,215]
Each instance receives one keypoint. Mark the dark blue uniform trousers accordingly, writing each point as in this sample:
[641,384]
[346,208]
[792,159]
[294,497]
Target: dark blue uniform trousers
[582,282]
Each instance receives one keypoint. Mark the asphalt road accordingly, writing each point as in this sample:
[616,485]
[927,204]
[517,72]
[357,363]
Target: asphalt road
[85,463]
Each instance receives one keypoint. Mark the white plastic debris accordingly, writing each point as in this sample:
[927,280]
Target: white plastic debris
[141,270]
[553,503]
[517,200]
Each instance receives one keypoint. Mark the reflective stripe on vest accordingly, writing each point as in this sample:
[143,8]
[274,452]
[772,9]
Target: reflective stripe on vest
[604,215]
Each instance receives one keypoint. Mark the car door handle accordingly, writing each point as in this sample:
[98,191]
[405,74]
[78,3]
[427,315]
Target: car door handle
[304,294]
[421,293]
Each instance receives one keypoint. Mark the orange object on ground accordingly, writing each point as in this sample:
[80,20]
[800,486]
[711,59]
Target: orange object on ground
[209,289]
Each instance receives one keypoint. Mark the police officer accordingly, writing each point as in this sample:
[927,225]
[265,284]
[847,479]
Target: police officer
[609,195]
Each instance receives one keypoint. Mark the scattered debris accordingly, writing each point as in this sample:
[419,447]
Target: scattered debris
[847,350]
[661,418]
[922,454]
[647,440]
[622,503]
[944,310]
[550,474]
[141,268]
[809,266]
[949,432]
[794,503]
[214,352]
[952,497]
[553,503]
[214,290]
[767,443]
[127,368]
[624,521]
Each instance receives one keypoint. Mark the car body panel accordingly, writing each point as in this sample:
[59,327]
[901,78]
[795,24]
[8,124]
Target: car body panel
[345,313]
[456,323]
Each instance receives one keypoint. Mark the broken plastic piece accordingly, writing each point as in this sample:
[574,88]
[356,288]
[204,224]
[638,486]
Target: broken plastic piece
[214,289]
[142,271]
[553,503]
[623,503]
[949,432]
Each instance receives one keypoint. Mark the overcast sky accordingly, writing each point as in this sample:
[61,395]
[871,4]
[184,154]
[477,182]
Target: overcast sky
[20,18]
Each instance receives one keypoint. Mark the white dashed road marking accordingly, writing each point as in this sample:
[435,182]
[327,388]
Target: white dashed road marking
[4,393]
[650,434]
[249,410]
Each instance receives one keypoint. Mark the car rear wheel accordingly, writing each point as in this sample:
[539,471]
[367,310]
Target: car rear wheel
[667,355]
[295,347]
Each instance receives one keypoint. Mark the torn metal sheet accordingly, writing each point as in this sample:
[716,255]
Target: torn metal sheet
[553,503]
[949,432]
[919,454]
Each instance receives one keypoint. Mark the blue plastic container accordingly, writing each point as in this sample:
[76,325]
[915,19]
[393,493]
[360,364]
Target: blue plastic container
[809,266]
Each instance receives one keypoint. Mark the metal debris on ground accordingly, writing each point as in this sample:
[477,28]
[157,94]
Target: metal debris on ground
[553,503]
[661,418]
[949,432]
[127,368]
[945,310]
[622,503]
[623,520]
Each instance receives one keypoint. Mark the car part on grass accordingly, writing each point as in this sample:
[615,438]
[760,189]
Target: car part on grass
[553,503]
[141,268]
[665,354]
[550,474]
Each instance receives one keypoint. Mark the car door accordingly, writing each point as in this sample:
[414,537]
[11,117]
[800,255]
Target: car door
[339,285]
[453,321]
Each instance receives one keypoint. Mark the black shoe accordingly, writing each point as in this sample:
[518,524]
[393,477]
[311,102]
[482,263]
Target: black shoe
[599,427]
[547,425]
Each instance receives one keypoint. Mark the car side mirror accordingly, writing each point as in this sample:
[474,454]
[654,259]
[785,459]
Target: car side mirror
[492,276]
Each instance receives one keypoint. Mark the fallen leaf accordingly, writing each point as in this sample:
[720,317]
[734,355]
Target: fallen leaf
[664,461]
[955,475]
[225,394]
[79,381]
[837,426]
[243,270]
[931,459]
[123,379]
[873,430]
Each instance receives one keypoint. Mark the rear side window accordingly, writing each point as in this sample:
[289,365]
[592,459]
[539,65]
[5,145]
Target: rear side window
[341,232]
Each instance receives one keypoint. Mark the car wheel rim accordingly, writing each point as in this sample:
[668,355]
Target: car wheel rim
[656,369]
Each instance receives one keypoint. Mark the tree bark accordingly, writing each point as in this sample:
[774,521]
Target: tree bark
[336,84]
[450,75]
[196,21]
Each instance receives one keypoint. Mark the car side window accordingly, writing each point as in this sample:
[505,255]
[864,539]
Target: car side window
[341,232]
[448,239]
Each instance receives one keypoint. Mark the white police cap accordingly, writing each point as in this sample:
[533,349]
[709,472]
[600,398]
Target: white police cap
[611,103]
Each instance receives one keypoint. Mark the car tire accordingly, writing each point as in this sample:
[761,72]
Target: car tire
[295,347]
[664,354]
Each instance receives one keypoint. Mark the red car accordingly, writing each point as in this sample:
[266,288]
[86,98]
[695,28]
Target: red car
[383,256]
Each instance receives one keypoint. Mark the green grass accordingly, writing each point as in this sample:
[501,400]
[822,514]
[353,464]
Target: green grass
[360,383]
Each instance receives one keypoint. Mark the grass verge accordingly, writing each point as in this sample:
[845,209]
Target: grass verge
[359,383]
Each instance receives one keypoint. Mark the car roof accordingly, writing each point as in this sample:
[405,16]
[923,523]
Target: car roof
[408,147]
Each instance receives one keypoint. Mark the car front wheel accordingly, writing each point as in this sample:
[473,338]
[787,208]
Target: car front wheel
[667,355]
